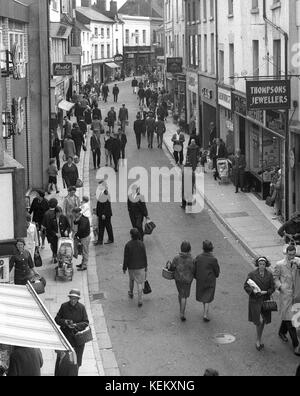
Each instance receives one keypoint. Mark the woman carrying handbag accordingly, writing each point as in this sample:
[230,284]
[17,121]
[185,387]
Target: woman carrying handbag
[260,287]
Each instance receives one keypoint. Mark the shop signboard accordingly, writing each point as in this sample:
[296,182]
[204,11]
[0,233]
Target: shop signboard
[268,95]
[174,65]
[62,69]
[225,98]
[119,58]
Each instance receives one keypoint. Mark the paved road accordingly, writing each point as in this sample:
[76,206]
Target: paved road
[152,340]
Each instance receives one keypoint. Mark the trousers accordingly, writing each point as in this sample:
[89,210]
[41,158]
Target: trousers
[105,225]
[287,327]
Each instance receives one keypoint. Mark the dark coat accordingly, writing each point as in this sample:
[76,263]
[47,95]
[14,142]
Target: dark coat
[77,136]
[123,114]
[139,127]
[105,90]
[50,223]
[137,206]
[82,126]
[115,148]
[84,227]
[39,208]
[207,271]
[97,113]
[116,90]
[64,367]
[134,83]
[95,143]
[221,154]
[77,314]
[70,174]
[135,256]
[111,118]
[23,265]
[238,168]
[25,362]
[256,301]
[64,225]
[123,140]
[193,156]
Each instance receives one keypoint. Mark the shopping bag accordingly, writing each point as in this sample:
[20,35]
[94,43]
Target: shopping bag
[37,259]
[147,288]
[167,273]
[83,337]
[79,183]
[149,228]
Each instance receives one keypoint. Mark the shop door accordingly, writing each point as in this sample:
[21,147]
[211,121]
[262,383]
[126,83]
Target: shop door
[242,128]
[296,175]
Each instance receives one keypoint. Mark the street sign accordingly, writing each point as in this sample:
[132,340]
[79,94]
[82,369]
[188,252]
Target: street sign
[268,95]
[174,65]
[62,69]
[119,58]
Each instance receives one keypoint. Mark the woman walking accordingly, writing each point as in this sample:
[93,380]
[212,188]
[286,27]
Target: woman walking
[23,264]
[207,271]
[32,239]
[135,261]
[260,286]
[184,268]
[39,207]
[70,203]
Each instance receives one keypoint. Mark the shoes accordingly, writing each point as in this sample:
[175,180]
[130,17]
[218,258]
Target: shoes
[283,337]
[57,192]
[82,269]
[297,351]
[206,320]
[108,243]
[130,294]
[79,266]
[98,243]
[260,347]
[140,304]
[183,319]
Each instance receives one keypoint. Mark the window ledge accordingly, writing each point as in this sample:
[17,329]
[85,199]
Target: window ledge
[275,6]
[255,10]
[212,18]
[230,16]
[204,20]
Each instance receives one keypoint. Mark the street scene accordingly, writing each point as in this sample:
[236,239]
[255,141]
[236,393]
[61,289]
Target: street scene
[149,166]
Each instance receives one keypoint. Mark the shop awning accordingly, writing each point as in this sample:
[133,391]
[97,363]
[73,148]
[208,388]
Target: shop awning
[25,321]
[65,105]
[112,65]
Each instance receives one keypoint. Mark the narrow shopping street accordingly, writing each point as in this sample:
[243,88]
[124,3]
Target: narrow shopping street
[152,340]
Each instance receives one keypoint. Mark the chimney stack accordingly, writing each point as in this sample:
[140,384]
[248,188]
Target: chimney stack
[101,5]
[114,7]
[86,3]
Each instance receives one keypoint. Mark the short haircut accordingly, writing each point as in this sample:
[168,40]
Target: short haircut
[291,248]
[41,193]
[208,246]
[135,235]
[268,263]
[85,199]
[186,247]
[53,203]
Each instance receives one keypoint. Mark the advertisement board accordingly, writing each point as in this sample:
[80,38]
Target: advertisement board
[268,95]
[174,65]
[62,69]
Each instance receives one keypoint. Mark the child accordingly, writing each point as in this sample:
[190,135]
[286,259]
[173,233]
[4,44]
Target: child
[95,224]
[52,172]
[107,146]
[85,207]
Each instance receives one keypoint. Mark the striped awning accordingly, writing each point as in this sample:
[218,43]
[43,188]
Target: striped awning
[25,321]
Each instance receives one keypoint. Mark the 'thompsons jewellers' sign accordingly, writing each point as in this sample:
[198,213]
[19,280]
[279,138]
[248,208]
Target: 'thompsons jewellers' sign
[62,69]
[269,94]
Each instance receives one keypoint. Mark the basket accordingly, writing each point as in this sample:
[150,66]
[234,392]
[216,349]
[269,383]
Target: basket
[83,337]
[167,274]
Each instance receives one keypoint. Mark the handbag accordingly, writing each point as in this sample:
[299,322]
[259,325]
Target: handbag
[79,183]
[147,288]
[83,337]
[37,260]
[38,283]
[166,273]
[149,228]
[269,306]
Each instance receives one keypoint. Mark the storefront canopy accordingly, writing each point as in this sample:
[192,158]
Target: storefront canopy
[25,321]
[112,65]
[65,105]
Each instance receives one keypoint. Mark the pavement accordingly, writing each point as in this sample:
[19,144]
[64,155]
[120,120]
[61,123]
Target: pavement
[248,219]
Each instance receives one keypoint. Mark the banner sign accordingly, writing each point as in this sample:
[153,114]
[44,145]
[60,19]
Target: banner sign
[174,65]
[62,69]
[269,95]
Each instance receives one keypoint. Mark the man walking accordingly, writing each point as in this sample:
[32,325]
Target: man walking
[104,213]
[160,131]
[238,166]
[123,117]
[111,119]
[96,149]
[134,85]
[138,127]
[137,210]
[141,95]
[116,150]
[150,128]
[83,235]
[135,261]
[116,92]
[105,92]
[97,112]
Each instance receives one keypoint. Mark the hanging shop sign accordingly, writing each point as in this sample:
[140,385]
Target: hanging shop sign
[225,98]
[174,65]
[119,58]
[268,95]
[62,69]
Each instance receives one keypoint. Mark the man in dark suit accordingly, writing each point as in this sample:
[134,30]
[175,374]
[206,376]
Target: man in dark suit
[83,235]
[51,226]
[104,213]
[123,117]
[238,166]
[137,210]
[96,149]
[139,128]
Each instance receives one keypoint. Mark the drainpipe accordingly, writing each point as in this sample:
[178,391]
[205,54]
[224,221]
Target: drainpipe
[287,114]
[1,136]
[217,68]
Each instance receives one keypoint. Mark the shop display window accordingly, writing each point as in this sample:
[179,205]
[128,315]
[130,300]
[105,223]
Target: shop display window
[255,149]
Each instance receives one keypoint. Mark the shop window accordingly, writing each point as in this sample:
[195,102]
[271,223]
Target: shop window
[271,154]
[255,149]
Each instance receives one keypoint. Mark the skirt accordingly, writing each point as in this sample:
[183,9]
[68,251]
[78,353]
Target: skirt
[184,289]
[139,276]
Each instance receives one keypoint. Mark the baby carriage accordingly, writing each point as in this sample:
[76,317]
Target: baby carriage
[223,170]
[65,271]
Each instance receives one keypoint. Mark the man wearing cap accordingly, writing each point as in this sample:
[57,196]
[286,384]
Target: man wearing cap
[72,317]
[83,235]
[51,227]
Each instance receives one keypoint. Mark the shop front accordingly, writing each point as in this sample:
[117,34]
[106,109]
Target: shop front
[192,99]
[226,119]
[294,158]
[262,138]
[207,107]
[138,59]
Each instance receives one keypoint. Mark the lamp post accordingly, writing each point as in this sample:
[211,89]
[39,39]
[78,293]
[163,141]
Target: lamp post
[1,134]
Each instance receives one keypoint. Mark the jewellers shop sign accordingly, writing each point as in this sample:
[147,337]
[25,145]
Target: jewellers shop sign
[62,69]
[269,95]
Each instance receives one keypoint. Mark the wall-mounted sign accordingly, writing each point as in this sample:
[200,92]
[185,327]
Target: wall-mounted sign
[4,269]
[224,98]
[207,93]
[269,95]
[62,69]
[174,65]
[119,58]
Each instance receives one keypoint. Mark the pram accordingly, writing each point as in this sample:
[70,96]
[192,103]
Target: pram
[65,271]
[223,170]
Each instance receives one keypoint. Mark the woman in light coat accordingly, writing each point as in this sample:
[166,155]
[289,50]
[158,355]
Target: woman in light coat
[32,239]
[184,268]
[287,280]
[71,202]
